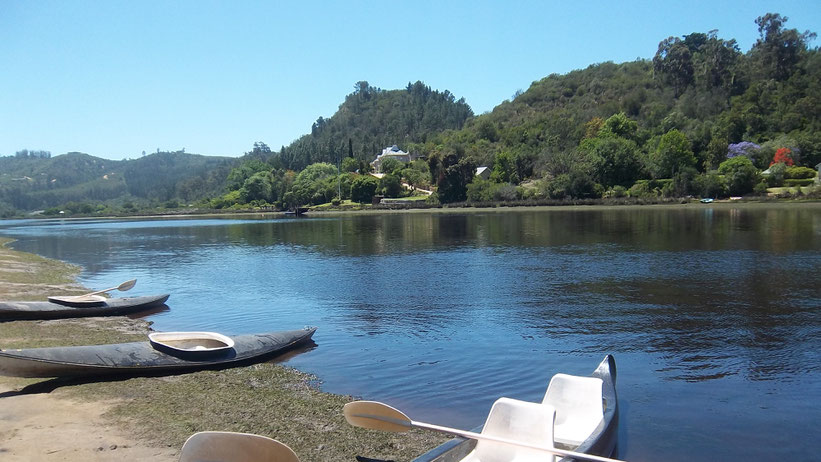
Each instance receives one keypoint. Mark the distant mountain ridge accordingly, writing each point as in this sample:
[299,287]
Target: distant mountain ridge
[30,183]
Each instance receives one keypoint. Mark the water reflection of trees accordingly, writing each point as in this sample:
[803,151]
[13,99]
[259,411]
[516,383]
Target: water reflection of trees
[744,313]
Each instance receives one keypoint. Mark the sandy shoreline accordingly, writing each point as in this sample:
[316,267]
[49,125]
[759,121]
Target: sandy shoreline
[54,426]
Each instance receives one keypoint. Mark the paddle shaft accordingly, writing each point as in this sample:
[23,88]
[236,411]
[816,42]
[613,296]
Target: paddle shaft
[127,285]
[479,436]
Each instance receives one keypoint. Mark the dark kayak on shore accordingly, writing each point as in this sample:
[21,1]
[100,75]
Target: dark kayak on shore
[143,357]
[17,311]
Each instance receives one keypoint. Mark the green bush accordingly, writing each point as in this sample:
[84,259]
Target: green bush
[799,182]
[390,185]
[616,191]
[649,188]
[642,189]
[799,173]
[506,192]
[481,190]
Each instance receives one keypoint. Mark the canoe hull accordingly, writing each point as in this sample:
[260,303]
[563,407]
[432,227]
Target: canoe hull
[18,311]
[141,358]
[602,442]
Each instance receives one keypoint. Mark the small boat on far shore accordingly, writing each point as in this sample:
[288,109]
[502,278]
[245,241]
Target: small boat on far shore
[16,311]
[296,212]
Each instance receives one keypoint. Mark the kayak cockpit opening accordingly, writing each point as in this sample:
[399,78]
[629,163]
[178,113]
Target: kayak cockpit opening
[191,343]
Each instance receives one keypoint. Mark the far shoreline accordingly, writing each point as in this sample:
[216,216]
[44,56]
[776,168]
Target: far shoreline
[266,214]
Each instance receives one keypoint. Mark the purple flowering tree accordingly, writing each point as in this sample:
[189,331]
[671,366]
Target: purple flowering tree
[744,148]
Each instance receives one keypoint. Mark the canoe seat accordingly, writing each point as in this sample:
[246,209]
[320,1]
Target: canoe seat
[512,419]
[234,447]
[578,405]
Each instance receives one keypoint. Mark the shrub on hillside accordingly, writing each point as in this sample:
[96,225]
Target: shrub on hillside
[798,173]
[799,182]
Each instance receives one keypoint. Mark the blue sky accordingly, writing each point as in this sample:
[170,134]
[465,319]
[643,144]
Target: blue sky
[115,78]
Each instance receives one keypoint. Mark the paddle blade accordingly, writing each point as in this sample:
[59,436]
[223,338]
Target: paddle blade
[229,446]
[376,416]
[127,285]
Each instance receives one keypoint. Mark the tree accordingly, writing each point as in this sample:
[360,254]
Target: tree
[778,50]
[453,172]
[415,178]
[592,127]
[673,64]
[783,156]
[714,60]
[487,130]
[619,125]
[238,175]
[672,154]
[710,185]
[615,161]
[744,148]
[258,187]
[504,168]
[740,175]
[349,164]
[577,183]
[314,172]
[391,165]
[390,185]
[363,188]
[316,184]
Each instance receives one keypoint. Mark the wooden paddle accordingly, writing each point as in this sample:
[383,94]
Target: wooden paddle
[127,285]
[379,416]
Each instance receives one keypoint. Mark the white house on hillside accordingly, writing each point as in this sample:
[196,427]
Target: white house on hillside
[391,152]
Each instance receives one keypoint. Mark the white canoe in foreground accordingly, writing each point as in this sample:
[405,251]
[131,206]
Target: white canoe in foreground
[577,414]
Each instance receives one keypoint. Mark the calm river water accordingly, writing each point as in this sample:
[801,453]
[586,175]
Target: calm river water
[713,313]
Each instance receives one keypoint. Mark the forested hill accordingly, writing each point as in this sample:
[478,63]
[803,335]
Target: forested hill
[371,118]
[30,182]
[683,110]
[702,117]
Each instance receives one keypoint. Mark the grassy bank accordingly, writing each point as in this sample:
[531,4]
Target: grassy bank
[265,398]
